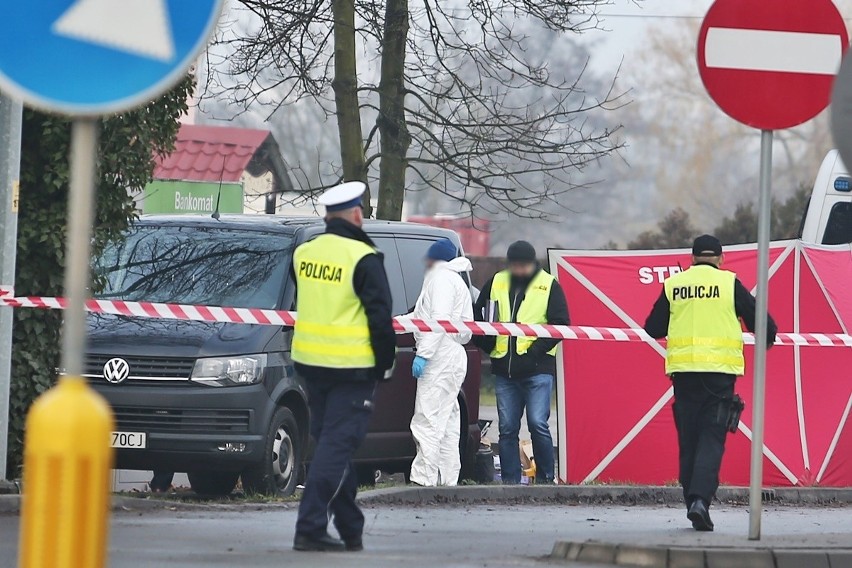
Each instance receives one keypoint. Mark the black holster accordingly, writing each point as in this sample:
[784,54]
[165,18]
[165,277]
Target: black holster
[730,411]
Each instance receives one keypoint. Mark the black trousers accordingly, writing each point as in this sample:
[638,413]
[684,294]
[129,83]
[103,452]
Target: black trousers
[340,412]
[700,415]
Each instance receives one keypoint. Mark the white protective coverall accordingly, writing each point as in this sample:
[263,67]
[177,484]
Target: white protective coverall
[436,424]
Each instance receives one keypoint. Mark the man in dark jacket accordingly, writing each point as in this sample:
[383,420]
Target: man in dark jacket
[524,368]
[699,312]
[343,343]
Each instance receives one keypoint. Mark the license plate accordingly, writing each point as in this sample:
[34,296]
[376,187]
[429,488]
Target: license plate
[134,440]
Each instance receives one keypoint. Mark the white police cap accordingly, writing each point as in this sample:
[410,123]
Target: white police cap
[343,196]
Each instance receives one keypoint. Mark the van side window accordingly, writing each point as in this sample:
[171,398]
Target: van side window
[838,229]
[411,254]
[394,272]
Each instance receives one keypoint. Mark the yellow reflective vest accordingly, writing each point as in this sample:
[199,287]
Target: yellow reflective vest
[704,334]
[533,309]
[331,324]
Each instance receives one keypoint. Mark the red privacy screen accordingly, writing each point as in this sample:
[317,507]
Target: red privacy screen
[615,416]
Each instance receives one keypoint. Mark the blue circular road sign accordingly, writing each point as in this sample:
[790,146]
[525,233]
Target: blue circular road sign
[91,57]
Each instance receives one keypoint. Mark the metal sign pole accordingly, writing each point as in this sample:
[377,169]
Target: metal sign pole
[759,401]
[81,213]
[10,168]
[79,451]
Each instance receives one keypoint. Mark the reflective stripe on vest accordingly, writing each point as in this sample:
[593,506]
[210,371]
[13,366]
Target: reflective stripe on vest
[331,325]
[705,334]
[533,309]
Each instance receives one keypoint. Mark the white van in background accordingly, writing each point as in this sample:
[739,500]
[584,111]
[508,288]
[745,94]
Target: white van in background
[828,219]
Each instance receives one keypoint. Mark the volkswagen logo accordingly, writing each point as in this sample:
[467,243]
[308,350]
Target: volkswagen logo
[116,370]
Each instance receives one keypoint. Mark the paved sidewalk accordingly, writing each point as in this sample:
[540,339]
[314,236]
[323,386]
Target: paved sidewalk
[689,550]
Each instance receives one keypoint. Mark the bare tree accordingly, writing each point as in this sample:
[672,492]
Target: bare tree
[436,86]
[696,157]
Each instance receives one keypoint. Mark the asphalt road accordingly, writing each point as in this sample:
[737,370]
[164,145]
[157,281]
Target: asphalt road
[429,537]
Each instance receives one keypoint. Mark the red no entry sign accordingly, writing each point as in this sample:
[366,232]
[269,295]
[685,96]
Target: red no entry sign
[770,64]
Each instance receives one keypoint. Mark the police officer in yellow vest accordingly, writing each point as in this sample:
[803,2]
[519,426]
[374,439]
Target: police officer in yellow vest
[343,344]
[524,368]
[699,311]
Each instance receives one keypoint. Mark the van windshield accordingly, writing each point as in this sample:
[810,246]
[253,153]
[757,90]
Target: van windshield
[196,265]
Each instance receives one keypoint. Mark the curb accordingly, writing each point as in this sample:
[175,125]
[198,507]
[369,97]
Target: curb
[484,494]
[693,557]
[120,503]
[591,494]
[11,504]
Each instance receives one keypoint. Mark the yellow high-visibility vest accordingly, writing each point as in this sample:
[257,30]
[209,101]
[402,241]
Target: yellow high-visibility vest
[331,324]
[705,334]
[533,309]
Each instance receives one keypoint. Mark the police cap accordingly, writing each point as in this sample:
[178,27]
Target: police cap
[707,245]
[343,196]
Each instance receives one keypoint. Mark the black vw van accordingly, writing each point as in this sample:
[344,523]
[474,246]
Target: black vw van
[222,401]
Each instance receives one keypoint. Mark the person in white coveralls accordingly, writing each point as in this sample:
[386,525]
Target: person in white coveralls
[440,367]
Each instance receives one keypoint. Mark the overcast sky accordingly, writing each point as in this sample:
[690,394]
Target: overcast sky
[625,22]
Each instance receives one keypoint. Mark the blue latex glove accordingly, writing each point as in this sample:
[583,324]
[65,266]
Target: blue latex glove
[418,366]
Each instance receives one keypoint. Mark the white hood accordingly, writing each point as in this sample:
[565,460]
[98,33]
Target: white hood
[459,264]
[444,296]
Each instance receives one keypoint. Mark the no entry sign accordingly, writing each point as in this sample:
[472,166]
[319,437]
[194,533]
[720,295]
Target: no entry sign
[770,64]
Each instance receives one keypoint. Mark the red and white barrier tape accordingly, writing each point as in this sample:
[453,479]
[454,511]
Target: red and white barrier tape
[403,324]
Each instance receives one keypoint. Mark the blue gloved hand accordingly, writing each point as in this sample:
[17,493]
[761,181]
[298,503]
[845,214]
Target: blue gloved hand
[418,366]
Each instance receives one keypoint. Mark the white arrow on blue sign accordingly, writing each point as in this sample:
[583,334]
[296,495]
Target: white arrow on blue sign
[91,57]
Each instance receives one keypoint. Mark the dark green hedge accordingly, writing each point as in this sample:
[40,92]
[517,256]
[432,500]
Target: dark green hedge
[128,145]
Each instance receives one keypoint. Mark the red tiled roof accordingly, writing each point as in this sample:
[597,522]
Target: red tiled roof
[210,153]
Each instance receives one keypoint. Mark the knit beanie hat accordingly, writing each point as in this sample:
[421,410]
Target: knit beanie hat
[521,251]
[443,249]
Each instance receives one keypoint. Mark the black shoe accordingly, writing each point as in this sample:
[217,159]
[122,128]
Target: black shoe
[325,543]
[354,544]
[700,516]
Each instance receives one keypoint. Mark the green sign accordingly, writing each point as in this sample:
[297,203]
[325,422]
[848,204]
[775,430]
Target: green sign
[191,197]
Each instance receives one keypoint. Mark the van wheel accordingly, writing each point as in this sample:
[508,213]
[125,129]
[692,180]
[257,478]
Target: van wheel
[213,483]
[278,474]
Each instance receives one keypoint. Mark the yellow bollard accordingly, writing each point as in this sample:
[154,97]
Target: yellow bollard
[67,460]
